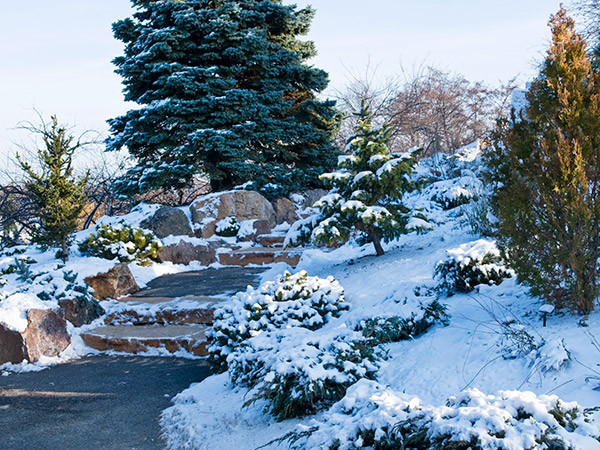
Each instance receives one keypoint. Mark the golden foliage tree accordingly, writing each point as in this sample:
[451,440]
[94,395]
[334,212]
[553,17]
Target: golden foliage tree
[545,165]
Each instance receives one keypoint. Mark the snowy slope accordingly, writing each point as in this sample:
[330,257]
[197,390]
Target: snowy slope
[494,342]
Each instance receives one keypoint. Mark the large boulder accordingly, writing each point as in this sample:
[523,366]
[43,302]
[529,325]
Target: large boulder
[12,346]
[46,335]
[285,210]
[243,205]
[185,252]
[115,283]
[168,221]
[80,311]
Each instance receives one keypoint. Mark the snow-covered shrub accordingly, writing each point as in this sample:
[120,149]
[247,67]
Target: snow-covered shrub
[553,356]
[49,288]
[383,330]
[469,265]
[455,197]
[292,300]
[299,371]
[480,217]
[20,267]
[123,242]
[420,223]
[516,340]
[375,417]
[227,227]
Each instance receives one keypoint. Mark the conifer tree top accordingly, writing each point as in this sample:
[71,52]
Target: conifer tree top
[225,92]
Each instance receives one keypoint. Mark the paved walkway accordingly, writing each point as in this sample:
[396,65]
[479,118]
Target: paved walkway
[203,282]
[106,402]
[100,402]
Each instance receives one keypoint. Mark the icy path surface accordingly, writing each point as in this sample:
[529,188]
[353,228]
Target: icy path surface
[100,402]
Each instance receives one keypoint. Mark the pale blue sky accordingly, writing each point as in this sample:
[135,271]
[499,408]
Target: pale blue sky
[56,55]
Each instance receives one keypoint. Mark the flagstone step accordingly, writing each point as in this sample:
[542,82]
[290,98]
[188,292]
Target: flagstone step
[271,240]
[137,339]
[259,256]
[182,311]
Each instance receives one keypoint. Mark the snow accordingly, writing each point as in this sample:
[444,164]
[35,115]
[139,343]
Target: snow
[494,357]
[204,417]
[13,310]
[490,370]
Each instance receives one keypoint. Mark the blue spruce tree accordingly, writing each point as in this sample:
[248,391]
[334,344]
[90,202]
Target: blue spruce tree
[224,91]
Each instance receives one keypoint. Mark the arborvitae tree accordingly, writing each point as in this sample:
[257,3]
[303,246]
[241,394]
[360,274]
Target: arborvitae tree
[224,90]
[547,171]
[58,196]
[367,190]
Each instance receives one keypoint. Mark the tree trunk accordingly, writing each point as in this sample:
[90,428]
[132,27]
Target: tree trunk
[64,248]
[376,240]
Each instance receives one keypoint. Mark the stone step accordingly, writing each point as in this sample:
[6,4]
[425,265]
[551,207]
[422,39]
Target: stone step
[271,240]
[137,339]
[260,256]
[180,311]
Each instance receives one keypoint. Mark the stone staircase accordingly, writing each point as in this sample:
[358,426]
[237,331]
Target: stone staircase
[175,311]
[172,314]
[270,251]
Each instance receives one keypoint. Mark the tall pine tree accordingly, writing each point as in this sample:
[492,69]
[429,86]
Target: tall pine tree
[546,165]
[225,91]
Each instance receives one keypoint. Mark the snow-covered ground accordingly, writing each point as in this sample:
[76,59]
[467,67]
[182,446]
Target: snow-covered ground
[493,353]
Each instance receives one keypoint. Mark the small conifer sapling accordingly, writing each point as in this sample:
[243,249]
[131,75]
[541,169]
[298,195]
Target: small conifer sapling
[366,197]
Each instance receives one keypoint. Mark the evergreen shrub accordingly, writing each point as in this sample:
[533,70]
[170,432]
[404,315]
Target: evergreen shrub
[366,197]
[469,266]
[292,300]
[122,242]
[298,372]
[383,330]
[376,417]
[266,339]
[227,227]
[545,168]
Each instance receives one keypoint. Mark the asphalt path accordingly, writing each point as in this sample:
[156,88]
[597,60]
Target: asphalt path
[108,402]
[100,402]
[226,280]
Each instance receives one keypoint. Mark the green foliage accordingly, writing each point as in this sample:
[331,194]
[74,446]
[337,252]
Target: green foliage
[20,265]
[22,269]
[479,217]
[297,392]
[227,227]
[376,417]
[224,90]
[265,338]
[122,242]
[454,202]
[384,330]
[462,276]
[58,197]
[292,300]
[367,190]
[545,164]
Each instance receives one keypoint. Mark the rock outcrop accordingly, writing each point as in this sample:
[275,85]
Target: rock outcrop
[46,335]
[243,205]
[168,221]
[185,252]
[115,283]
[285,211]
[79,311]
